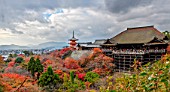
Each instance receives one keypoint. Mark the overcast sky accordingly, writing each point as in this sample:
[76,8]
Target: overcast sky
[24,22]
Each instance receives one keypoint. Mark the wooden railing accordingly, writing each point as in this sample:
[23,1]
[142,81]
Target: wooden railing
[131,51]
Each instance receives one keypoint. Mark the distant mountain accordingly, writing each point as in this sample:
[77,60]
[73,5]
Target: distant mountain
[46,45]
[50,45]
[13,47]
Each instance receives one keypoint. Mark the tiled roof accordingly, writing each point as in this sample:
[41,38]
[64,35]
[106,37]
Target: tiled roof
[99,42]
[137,35]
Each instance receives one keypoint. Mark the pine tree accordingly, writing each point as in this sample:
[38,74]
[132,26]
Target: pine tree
[19,60]
[35,66]
[48,79]
[72,76]
[39,67]
[31,66]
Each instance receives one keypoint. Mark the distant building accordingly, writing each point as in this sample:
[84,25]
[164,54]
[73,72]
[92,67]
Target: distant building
[90,45]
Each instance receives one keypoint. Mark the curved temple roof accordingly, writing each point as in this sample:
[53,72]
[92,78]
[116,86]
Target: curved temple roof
[137,35]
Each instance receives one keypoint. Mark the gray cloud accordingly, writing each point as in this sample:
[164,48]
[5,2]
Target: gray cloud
[91,19]
[123,6]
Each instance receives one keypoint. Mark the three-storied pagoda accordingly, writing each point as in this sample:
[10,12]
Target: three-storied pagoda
[73,42]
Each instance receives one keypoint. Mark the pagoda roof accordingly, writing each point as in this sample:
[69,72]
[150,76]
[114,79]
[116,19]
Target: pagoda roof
[73,38]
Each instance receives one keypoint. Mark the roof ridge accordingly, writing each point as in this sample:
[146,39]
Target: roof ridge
[152,26]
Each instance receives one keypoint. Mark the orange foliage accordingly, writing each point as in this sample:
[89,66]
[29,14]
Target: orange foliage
[57,53]
[11,64]
[1,62]
[47,62]
[70,63]
[98,71]
[59,72]
[27,59]
[98,62]
[14,76]
[6,86]
[64,50]
[101,71]
[106,58]
[80,70]
[1,58]
[12,81]
[97,50]
[168,49]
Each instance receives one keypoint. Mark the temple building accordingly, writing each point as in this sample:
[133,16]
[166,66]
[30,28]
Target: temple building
[73,42]
[145,44]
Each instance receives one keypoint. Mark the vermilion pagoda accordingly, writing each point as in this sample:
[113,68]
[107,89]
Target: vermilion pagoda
[73,42]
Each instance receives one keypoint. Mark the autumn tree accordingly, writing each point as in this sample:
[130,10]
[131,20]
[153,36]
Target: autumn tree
[1,62]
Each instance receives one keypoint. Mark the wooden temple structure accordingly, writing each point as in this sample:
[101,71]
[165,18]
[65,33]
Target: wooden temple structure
[145,44]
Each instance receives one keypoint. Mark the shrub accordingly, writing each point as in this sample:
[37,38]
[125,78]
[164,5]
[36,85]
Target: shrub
[1,88]
[91,77]
[81,76]
[72,84]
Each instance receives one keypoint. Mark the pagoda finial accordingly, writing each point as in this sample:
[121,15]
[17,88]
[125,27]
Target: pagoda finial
[73,33]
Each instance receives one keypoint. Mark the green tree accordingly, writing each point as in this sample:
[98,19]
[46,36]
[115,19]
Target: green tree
[31,53]
[10,56]
[19,60]
[31,66]
[72,76]
[26,53]
[35,66]
[15,55]
[48,79]
[167,33]
[38,68]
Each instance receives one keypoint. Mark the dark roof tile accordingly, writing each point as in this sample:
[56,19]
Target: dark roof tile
[137,35]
